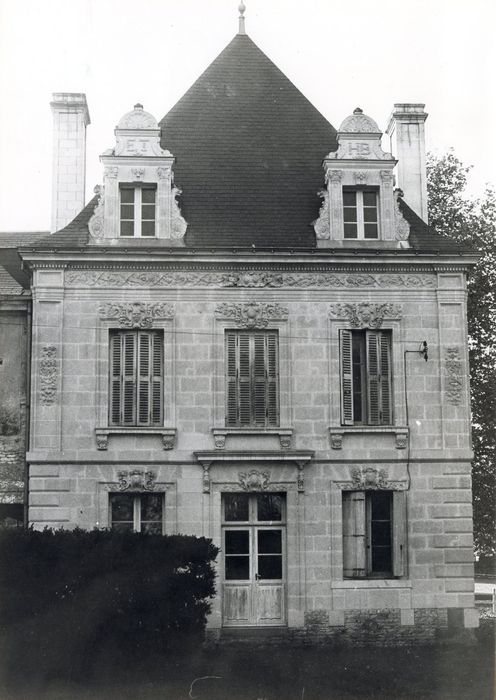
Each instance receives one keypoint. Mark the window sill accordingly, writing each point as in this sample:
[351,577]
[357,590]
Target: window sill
[168,435]
[220,434]
[338,432]
[372,583]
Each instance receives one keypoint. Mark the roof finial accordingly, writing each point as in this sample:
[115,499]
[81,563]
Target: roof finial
[241,8]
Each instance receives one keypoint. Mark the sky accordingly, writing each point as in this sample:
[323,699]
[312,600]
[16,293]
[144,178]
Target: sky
[339,54]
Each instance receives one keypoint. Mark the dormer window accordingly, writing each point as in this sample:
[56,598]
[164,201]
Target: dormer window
[360,214]
[137,210]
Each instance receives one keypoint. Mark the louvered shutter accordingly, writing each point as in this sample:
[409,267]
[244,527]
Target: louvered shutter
[244,379]
[385,377]
[399,533]
[115,379]
[272,362]
[259,379]
[157,379]
[373,379]
[354,534]
[231,379]
[345,354]
[143,395]
[128,401]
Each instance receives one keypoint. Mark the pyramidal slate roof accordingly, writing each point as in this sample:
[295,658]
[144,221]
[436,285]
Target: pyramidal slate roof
[248,149]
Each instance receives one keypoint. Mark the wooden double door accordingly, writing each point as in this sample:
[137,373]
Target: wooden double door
[254,559]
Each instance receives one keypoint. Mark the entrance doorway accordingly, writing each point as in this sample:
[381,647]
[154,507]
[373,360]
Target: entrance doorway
[254,557]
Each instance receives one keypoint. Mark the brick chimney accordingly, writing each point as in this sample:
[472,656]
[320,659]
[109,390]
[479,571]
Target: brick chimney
[407,134]
[70,119]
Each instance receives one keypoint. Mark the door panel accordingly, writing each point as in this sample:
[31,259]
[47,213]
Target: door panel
[270,604]
[237,604]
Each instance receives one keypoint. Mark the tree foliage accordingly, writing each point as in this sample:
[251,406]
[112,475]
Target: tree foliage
[472,221]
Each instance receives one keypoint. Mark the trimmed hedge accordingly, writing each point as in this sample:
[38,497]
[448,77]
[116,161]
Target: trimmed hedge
[67,595]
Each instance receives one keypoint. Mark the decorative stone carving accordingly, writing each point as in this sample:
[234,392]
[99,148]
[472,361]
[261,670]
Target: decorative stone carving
[139,279]
[360,177]
[138,173]
[96,223]
[178,223]
[366,315]
[254,315]
[401,441]
[136,314]
[168,441]
[138,119]
[454,376]
[163,173]
[254,480]
[333,175]
[48,375]
[219,442]
[358,122]
[371,479]
[336,441]
[401,225]
[300,478]
[206,477]
[387,176]
[321,225]
[136,480]
[285,441]
[138,134]
[101,442]
[111,172]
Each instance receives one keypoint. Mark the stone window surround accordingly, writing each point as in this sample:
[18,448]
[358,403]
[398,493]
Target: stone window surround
[219,430]
[167,488]
[103,430]
[337,580]
[399,429]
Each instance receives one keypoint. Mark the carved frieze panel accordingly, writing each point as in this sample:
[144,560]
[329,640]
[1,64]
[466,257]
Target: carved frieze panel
[136,314]
[48,375]
[371,478]
[139,279]
[365,315]
[254,480]
[136,480]
[254,315]
[454,375]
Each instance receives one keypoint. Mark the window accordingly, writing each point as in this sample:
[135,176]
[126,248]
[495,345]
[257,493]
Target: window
[252,378]
[136,378]
[374,534]
[360,214]
[138,512]
[137,210]
[366,383]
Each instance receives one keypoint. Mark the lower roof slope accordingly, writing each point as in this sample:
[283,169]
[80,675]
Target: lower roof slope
[249,149]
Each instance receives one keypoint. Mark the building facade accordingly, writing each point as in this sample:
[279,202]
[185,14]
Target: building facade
[250,334]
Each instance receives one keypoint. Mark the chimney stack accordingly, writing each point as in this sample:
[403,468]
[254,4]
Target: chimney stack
[70,119]
[407,134]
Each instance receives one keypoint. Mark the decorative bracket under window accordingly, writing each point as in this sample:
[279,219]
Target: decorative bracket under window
[220,434]
[168,435]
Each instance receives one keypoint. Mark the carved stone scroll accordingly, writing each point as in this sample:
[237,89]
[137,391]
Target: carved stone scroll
[254,315]
[401,225]
[136,480]
[137,314]
[96,223]
[178,223]
[321,225]
[254,480]
[371,478]
[366,315]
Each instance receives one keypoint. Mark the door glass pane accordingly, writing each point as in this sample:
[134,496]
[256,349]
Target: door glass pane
[122,527]
[237,542]
[269,542]
[152,528]
[237,568]
[381,505]
[381,559]
[270,566]
[151,507]
[121,505]
[236,507]
[269,506]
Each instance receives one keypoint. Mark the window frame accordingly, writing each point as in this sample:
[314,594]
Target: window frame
[235,383]
[371,383]
[360,213]
[137,205]
[153,380]
[137,496]
[357,534]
